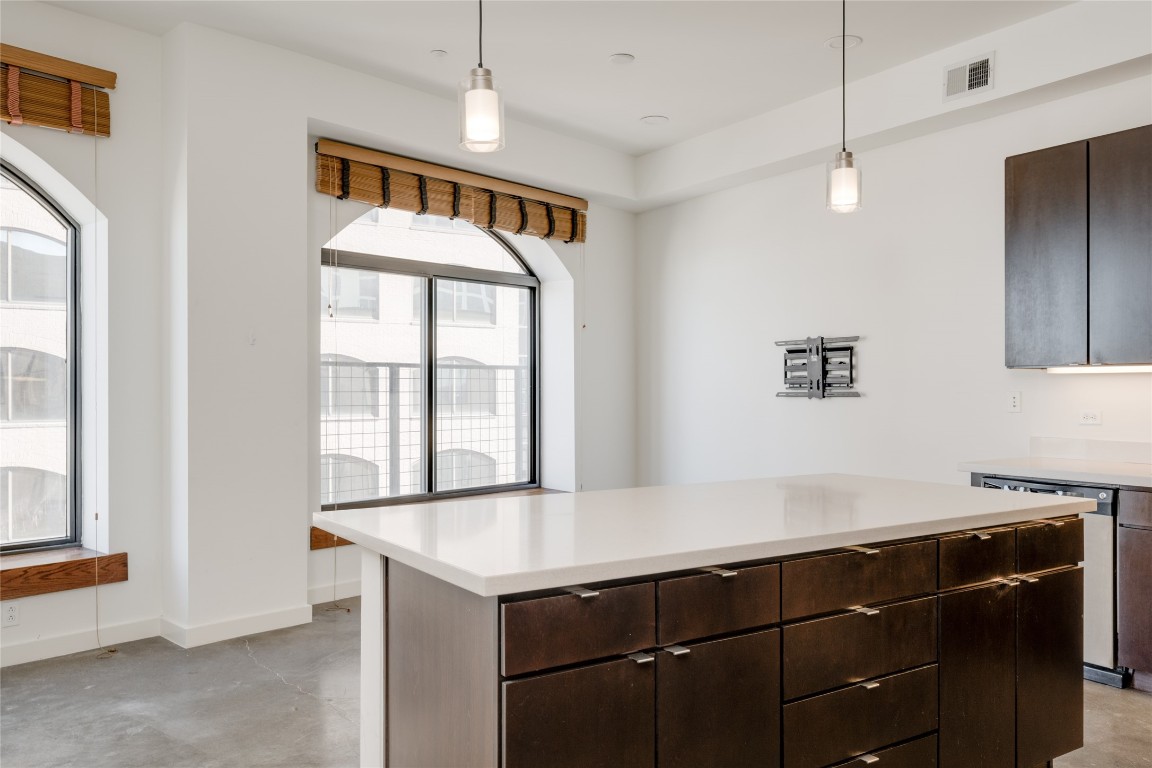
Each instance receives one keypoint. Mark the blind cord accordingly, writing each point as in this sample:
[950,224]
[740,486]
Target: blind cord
[334,391]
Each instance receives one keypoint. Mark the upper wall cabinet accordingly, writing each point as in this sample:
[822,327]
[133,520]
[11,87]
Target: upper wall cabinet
[1078,253]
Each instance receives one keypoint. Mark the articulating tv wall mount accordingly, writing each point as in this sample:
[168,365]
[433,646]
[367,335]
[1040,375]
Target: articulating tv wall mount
[818,367]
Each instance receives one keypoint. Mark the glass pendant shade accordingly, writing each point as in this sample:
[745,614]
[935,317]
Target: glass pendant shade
[843,184]
[481,113]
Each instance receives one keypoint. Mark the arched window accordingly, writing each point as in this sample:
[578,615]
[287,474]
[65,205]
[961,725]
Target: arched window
[38,374]
[437,319]
[347,478]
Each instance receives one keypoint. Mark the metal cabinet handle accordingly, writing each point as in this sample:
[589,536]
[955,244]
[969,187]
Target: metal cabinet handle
[980,535]
[1053,523]
[1007,582]
[863,550]
[868,759]
[864,610]
[582,592]
[1029,579]
[868,686]
[642,658]
[677,650]
[723,573]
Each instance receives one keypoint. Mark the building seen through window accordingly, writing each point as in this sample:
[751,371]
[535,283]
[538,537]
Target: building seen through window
[427,329]
[38,335]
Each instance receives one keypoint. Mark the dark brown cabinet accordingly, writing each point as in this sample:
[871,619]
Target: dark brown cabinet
[718,703]
[1078,253]
[1134,597]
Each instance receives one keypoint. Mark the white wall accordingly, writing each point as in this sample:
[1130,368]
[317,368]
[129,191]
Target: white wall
[123,305]
[917,273]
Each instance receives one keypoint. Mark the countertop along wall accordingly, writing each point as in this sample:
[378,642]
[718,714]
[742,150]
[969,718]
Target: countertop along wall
[918,273]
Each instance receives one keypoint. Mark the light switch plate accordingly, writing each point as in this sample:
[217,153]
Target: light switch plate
[1014,402]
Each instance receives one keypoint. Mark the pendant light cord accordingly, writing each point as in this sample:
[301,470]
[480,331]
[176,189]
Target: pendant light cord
[843,75]
[480,42]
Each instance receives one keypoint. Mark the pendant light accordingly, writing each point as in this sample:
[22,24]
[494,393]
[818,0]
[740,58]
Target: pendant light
[843,175]
[481,108]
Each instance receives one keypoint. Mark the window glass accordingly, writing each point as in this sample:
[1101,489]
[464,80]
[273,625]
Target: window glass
[348,478]
[37,376]
[349,293]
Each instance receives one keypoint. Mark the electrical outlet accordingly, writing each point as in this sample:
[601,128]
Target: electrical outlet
[1013,402]
[11,614]
[1091,418]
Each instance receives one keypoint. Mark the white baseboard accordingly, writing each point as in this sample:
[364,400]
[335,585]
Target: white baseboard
[323,593]
[77,642]
[203,634]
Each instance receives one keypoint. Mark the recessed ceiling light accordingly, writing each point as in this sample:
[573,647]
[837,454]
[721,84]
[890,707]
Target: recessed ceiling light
[654,119]
[438,53]
[851,40]
[621,58]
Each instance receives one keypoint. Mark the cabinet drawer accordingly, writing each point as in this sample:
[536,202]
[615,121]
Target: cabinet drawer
[838,650]
[600,715]
[920,753]
[706,604]
[1042,546]
[1134,508]
[852,721]
[553,631]
[976,557]
[835,582]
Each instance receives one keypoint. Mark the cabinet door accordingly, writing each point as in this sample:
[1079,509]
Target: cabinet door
[1046,257]
[601,716]
[978,677]
[1120,211]
[1134,598]
[718,704]
[1049,666]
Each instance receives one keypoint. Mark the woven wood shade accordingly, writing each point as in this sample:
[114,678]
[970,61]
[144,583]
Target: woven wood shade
[54,93]
[373,177]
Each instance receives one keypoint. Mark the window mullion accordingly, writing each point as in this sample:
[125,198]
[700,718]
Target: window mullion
[430,311]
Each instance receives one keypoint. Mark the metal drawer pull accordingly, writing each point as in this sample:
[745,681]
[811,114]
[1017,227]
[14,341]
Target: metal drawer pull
[1007,582]
[641,658]
[723,573]
[864,550]
[1029,579]
[865,611]
[1055,523]
[582,592]
[980,535]
[869,686]
[868,759]
[677,650]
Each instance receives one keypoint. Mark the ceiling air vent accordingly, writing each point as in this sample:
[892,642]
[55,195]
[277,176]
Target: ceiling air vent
[968,77]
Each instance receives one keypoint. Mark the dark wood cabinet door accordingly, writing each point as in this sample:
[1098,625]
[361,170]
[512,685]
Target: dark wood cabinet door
[600,716]
[1049,666]
[1134,597]
[1046,257]
[718,705]
[1120,253]
[692,607]
[978,677]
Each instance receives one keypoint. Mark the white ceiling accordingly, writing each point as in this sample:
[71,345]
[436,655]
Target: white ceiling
[704,64]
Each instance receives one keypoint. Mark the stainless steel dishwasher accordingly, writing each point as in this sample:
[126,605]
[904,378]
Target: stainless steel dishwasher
[1099,570]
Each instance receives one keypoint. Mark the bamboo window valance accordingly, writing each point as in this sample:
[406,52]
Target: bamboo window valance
[36,89]
[392,181]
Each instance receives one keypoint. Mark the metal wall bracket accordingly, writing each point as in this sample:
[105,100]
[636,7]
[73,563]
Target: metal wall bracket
[818,367]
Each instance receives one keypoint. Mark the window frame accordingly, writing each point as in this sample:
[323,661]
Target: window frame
[430,271]
[75,366]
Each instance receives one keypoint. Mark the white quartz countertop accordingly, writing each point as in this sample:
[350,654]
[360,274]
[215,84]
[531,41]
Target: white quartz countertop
[1068,470]
[495,546]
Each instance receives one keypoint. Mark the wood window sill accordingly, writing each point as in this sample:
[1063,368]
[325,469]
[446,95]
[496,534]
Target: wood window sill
[321,539]
[25,574]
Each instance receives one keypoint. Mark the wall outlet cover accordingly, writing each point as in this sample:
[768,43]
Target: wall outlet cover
[1014,402]
[1091,418]
[11,615]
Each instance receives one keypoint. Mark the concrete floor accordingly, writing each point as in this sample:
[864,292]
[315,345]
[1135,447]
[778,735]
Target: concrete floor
[290,698]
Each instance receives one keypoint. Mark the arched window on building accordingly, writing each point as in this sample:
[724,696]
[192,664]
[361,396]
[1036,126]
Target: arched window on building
[39,333]
[443,315]
[347,478]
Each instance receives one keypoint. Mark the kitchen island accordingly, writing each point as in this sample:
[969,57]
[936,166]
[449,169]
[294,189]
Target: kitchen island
[797,621]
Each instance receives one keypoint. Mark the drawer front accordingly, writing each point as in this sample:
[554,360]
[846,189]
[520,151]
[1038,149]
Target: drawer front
[920,753]
[706,604]
[1042,546]
[553,631]
[835,582]
[600,715]
[853,721]
[718,703]
[838,650]
[977,557]
[1134,508]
